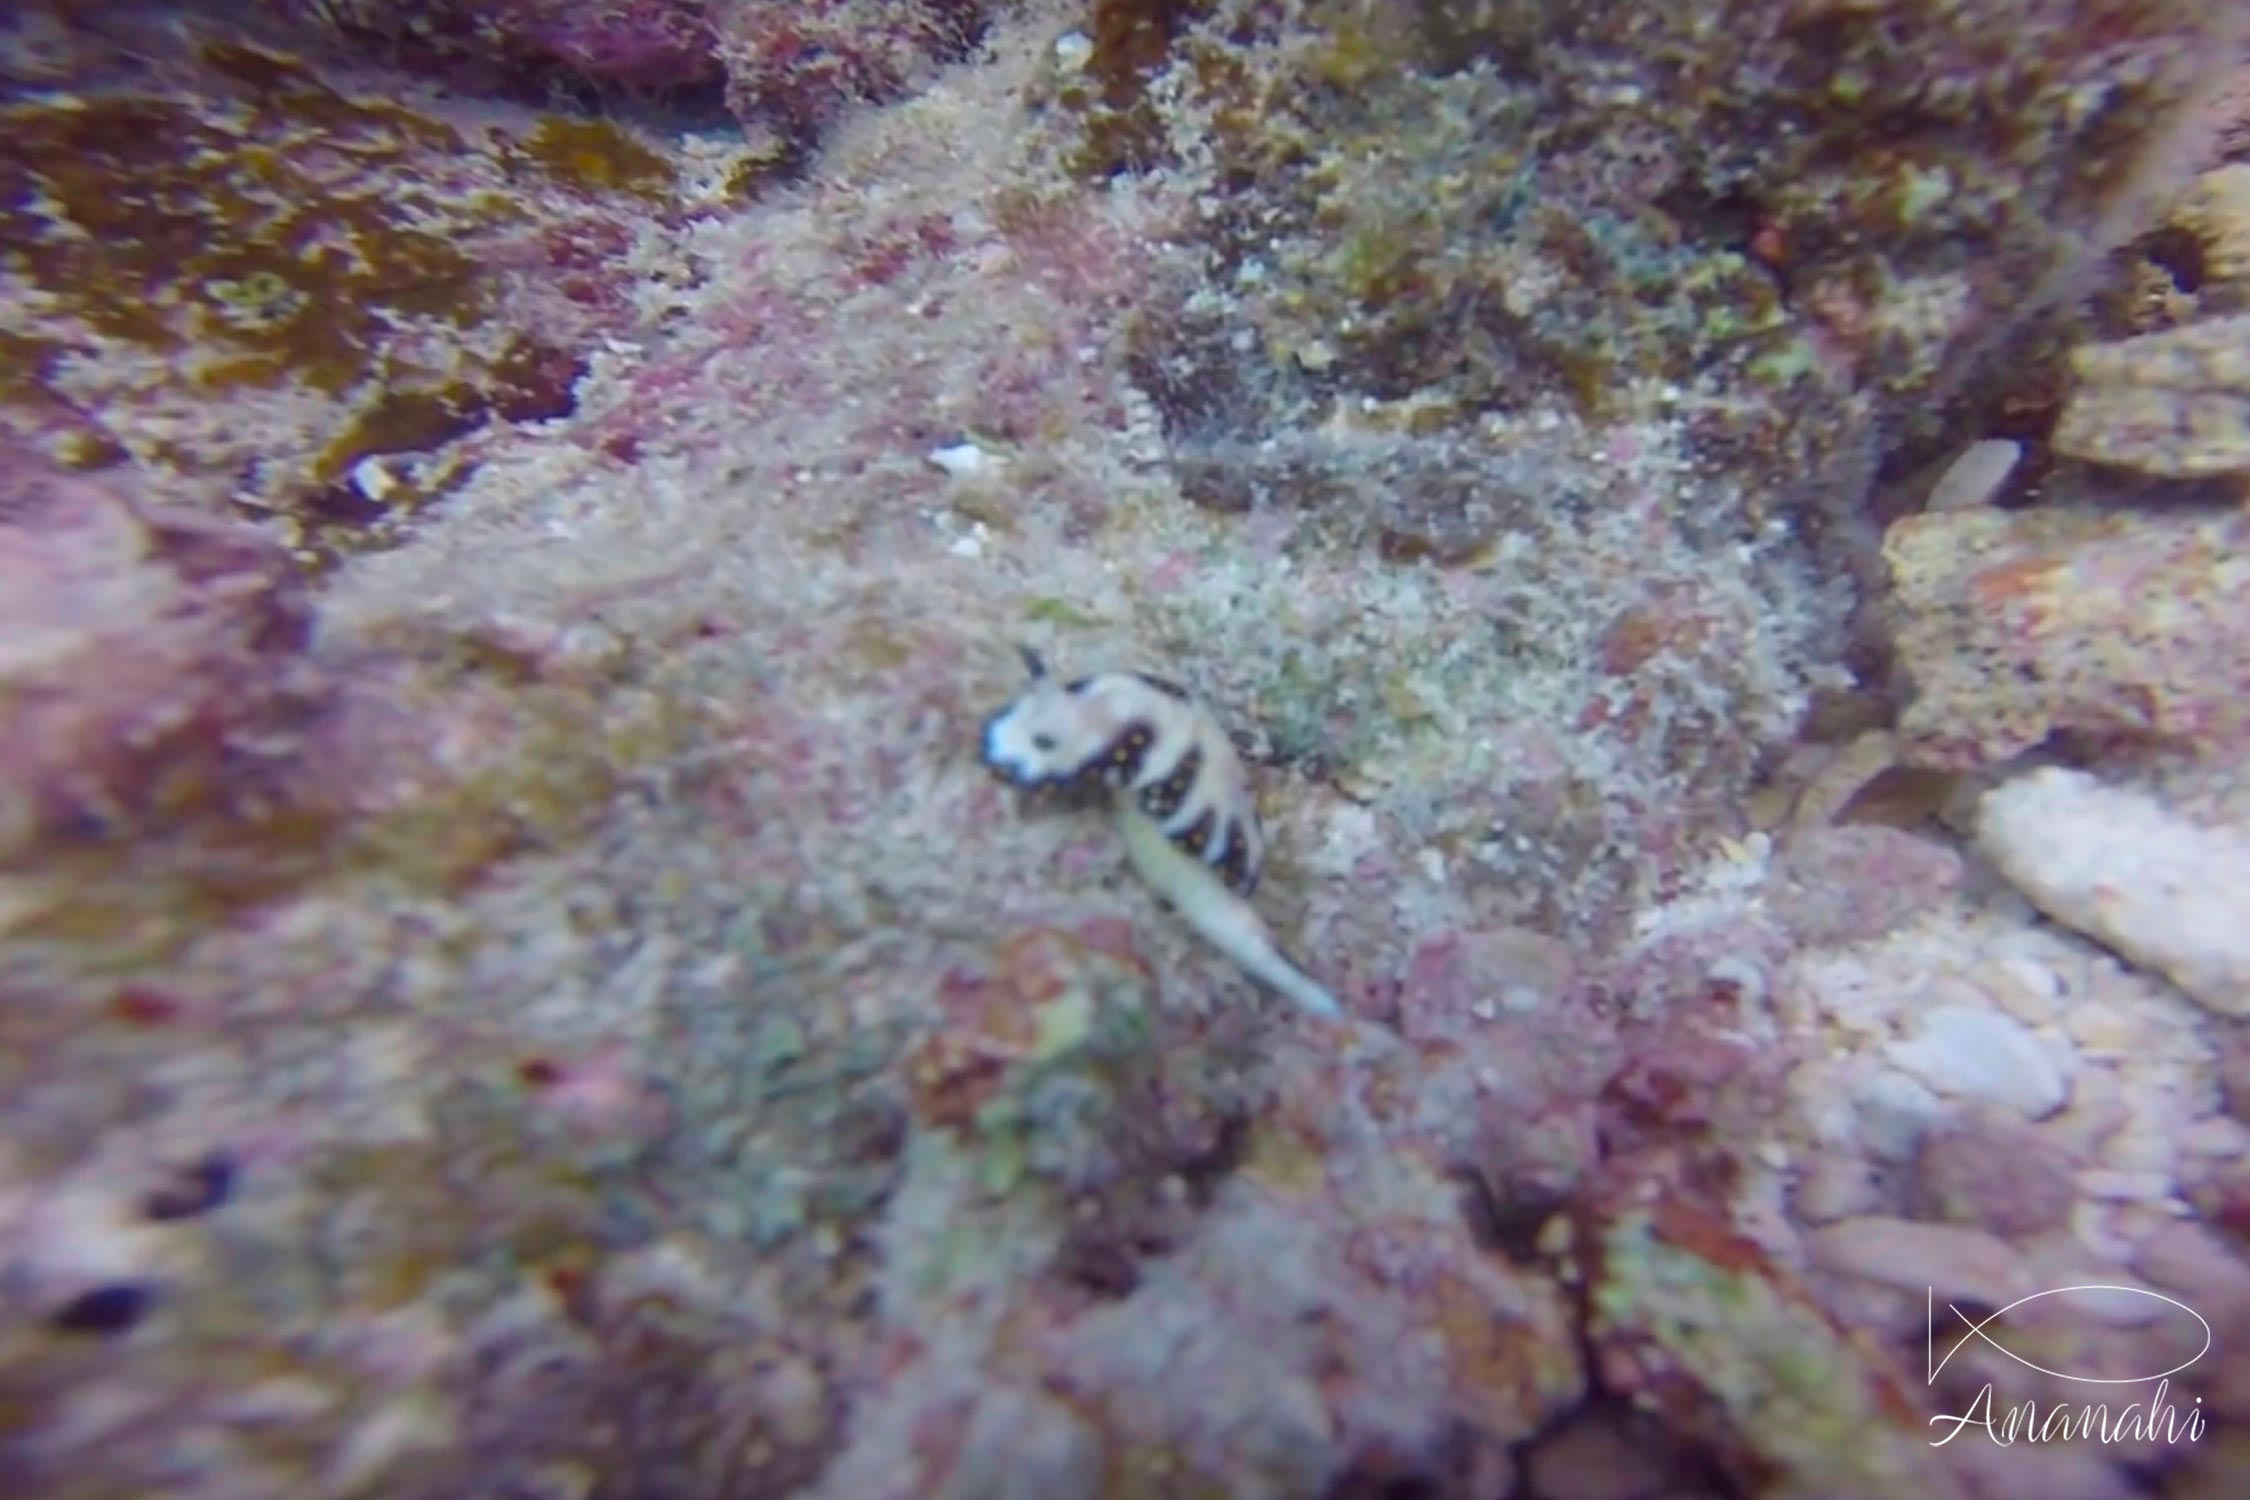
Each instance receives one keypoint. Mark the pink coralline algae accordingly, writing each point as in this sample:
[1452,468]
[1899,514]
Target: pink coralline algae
[796,62]
[1844,884]
[806,61]
[145,652]
[652,44]
[648,44]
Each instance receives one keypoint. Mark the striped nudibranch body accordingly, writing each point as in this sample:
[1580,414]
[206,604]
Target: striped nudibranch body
[1144,738]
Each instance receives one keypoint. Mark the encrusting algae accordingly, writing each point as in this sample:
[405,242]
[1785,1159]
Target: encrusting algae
[330,262]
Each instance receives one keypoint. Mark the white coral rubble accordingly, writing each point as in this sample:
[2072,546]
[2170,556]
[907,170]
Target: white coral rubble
[2116,865]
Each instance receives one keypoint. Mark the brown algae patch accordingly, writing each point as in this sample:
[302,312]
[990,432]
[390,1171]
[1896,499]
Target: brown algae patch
[598,154]
[258,287]
[244,233]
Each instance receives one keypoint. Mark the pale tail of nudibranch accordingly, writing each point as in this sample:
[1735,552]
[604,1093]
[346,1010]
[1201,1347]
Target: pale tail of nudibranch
[1226,921]
[1182,799]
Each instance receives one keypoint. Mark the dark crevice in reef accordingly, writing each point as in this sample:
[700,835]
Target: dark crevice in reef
[691,95]
[1118,1231]
[1504,1224]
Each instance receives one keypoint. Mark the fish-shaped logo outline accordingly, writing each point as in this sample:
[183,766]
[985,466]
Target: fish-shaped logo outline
[1976,1329]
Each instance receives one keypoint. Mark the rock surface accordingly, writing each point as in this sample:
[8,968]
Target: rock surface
[1982,1055]
[513,983]
[2116,865]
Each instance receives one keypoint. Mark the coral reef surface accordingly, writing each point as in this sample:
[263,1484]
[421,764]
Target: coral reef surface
[1718,529]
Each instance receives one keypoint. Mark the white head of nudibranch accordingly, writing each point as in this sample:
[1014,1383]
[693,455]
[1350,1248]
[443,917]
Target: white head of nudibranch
[1140,737]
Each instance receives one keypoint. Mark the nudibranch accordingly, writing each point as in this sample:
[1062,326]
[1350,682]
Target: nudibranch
[1180,795]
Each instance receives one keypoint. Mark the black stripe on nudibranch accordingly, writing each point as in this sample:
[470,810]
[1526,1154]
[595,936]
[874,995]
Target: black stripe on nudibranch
[1164,685]
[1120,763]
[1160,746]
[1234,865]
[1163,798]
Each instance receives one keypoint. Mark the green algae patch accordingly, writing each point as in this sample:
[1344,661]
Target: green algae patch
[1704,1313]
[1047,609]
